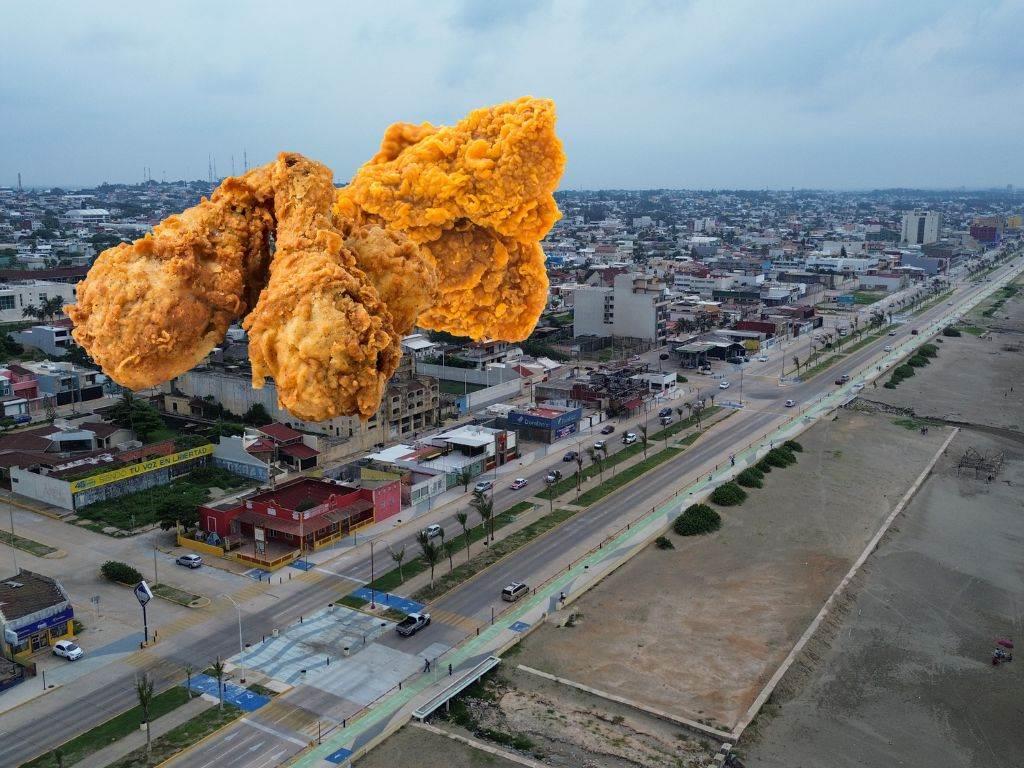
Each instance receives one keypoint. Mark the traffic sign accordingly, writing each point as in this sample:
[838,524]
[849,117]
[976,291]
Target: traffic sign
[143,593]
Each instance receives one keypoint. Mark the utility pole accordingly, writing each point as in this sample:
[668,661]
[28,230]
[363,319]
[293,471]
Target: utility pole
[14,549]
[156,579]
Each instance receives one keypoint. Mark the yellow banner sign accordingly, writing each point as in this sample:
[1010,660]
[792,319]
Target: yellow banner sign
[140,469]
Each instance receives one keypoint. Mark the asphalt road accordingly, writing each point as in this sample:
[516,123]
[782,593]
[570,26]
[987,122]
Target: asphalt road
[27,732]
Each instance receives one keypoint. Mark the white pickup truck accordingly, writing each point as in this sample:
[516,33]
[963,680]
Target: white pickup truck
[412,624]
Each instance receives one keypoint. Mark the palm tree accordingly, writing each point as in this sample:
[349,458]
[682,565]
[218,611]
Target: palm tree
[430,553]
[796,362]
[462,516]
[595,458]
[579,472]
[188,679]
[398,556]
[604,452]
[484,507]
[689,409]
[465,476]
[643,437]
[144,690]
[218,673]
[449,549]
[47,309]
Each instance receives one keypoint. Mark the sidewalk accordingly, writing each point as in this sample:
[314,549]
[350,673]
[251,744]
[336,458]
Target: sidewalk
[137,739]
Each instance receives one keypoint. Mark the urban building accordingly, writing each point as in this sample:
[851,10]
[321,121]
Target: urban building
[53,340]
[35,612]
[920,228]
[636,306]
[16,296]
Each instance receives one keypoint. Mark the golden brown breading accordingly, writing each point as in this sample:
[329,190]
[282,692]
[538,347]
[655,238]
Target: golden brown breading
[403,274]
[150,311]
[465,193]
[480,263]
[319,328]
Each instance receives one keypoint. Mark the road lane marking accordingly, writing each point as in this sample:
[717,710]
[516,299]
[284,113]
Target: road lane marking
[275,732]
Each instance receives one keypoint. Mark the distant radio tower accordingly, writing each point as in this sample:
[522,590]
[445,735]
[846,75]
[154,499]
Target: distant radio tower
[209,168]
[19,183]
[232,164]
[245,160]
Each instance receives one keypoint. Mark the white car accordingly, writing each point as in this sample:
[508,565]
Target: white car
[483,486]
[724,385]
[629,438]
[599,445]
[892,333]
[762,358]
[858,386]
[189,561]
[433,531]
[68,650]
[887,348]
[519,482]
[790,403]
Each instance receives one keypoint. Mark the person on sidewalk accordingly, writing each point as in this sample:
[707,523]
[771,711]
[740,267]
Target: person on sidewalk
[426,666]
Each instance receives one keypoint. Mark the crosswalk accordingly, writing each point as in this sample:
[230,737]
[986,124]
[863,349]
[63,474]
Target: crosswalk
[465,623]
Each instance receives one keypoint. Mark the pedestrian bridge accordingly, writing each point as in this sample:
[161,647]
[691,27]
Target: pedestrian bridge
[461,683]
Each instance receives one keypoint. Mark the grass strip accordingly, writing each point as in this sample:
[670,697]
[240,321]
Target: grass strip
[686,423]
[182,737]
[415,566]
[934,302]
[866,340]
[26,545]
[627,475]
[80,747]
[175,595]
[491,554]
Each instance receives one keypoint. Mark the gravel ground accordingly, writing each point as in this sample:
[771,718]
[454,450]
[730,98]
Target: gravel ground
[416,747]
[904,676]
[697,631]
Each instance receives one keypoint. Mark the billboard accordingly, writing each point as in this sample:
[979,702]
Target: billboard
[845,299]
[518,418]
[141,468]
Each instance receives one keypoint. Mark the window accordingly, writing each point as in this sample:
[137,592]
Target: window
[6,302]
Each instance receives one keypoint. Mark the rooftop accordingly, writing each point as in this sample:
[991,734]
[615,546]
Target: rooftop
[28,592]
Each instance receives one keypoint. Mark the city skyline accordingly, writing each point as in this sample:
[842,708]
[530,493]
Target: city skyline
[696,96]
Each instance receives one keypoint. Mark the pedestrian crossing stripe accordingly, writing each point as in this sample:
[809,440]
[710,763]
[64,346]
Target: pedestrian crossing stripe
[464,623]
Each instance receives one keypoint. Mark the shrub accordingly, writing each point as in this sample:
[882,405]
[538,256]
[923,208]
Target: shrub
[728,495]
[751,477]
[917,361]
[889,385]
[663,542]
[950,331]
[697,519]
[780,457]
[121,572]
[763,466]
[793,445]
[928,350]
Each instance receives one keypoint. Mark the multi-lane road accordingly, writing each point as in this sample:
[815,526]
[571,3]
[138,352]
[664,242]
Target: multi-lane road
[39,725]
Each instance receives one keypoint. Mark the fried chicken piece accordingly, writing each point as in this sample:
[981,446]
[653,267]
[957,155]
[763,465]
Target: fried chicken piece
[319,328]
[479,263]
[150,311]
[403,274]
[479,197]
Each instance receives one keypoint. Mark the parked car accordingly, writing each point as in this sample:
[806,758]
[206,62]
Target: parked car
[887,348]
[843,379]
[483,486]
[762,358]
[665,420]
[570,456]
[790,403]
[737,360]
[519,482]
[68,649]
[189,561]
[892,333]
[723,384]
[629,438]
[599,445]
[553,476]
[607,429]
[514,591]
[412,624]
[665,412]
[433,531]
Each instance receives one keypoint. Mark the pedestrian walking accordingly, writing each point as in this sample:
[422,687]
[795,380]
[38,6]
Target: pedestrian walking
[449,670]
[426,665]
[732,460]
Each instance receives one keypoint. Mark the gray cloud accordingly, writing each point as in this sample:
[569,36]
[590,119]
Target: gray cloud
[706,93]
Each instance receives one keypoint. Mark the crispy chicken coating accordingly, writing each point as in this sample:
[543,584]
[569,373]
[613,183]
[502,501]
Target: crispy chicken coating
[478,196]
[319,328]
[150,311]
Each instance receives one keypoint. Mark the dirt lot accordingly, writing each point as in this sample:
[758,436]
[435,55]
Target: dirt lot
[698,630]
[562,726]
[415,746]
[905,677]
[969,365]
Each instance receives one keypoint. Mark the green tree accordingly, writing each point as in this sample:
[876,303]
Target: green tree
[218,674]
[47,309]
[144,691]
[643,437]
[257,415]
[465,477]
[189,669]
[484,506]
[594,455]
[462,516]
[137,415]
[398,555]
[430,553]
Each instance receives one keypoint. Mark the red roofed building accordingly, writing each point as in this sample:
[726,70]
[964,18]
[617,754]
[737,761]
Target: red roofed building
[302,515]
[289,446]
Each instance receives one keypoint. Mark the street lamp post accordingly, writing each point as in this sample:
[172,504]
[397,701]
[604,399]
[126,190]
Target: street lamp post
[373,604]
[241,648]
[14,549]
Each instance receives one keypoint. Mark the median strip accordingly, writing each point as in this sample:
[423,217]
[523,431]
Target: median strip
[26,545]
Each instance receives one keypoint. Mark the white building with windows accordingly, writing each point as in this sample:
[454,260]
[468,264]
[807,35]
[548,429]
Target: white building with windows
[14,297]
[920,227]
[636,306]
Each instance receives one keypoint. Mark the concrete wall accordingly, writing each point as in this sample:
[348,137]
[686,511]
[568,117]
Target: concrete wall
[469,375]
[499,393]
[230,455]
[588,312]
[49,490]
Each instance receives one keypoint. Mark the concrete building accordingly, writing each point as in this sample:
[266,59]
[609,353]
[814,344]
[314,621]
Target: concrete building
[87,216]
[35,612]
[53,340]
[15,296]
[636,307]
[64,382]
[920,228]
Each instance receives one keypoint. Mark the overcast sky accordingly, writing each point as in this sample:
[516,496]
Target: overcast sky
[702,94]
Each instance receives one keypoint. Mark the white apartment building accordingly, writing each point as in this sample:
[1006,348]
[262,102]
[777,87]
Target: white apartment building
[87,216]
[920,227]
[635,307]
[14,297]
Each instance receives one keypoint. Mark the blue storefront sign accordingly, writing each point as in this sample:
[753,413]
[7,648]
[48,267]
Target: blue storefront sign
[845,299]
[545,422]
[63,617]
